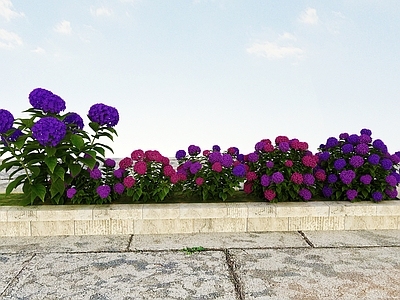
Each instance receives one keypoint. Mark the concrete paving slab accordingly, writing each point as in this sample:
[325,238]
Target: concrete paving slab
[134,275]
[359,238]
[316,273]
[10,266]
[51,244]
[218,241]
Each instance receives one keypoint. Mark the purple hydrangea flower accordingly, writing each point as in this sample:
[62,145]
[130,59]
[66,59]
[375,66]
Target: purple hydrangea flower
[324,156]
[265,180]
[327,191]
[331,142]
[49,131]
[269,164]
[366,139]
[103,115]
[216,148]
[214,157]
[366,131]
[180,154]
[353,139]
[395,159]
[392,193]
[194,150]
[377,196]
[110,163]
[362,149]
[119,188]
[103,191]
[195,167]
[95,173]
[71,193]
[347,176]
[118,173]
[391,180]
[351,194]
[252,157]
[308,179]
[13,136]
[343,136]
[226,160]
[356,161]
[339,164]
[259,146]
[379,145]
[366,179]
[396,175]
[347,148]
[6,120]
[284,146]
[277,177]
[332,178]
[239,171]
[305,194]
[47,101]
[386,164]
[74,119]
[373,159]
[240,157]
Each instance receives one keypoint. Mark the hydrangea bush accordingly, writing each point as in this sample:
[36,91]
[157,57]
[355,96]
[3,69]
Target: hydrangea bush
[282,172]
[214,175]
[147,176]
[53,151]
[358,168]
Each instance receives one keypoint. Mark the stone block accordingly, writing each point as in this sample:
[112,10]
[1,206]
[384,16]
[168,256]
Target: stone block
[316,223]
[163,226]
[267,224]
[118,212]
[302,209]
[261,209]
[371,222]
[52,228]
[21,228]
[64,213]
[160,211]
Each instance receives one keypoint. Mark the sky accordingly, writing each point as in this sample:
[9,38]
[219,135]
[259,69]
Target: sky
[209,72]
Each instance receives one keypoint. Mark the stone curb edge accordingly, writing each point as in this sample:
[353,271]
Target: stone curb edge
[197,217]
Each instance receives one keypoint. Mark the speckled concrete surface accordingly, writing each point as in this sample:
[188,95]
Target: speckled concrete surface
[273,265]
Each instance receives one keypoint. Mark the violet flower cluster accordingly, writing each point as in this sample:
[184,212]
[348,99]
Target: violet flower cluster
[49,131]
[46,101]
[103,115]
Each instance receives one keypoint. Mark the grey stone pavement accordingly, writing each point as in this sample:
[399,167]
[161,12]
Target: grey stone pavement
[271,265]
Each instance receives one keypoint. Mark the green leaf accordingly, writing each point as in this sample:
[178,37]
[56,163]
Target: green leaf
[51,151]
[38,190]
[20,142]
[95,126]
[77,141]
[59,171]
[57,187]
[100,150]
[75,169]
[35,171]
[13,184]
[51,163]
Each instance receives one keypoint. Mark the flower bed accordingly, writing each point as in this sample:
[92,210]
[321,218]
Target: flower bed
[62,163]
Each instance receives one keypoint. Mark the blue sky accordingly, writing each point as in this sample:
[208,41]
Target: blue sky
[209,72]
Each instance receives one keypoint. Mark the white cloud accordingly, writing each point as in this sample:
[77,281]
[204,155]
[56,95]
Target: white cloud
[9,40]
[64,27]
[39,50]
[309,16]
[273,50]
[100,11]
[7,10]
[287,36]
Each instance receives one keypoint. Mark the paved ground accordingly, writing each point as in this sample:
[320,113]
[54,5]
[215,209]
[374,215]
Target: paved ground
[272,265]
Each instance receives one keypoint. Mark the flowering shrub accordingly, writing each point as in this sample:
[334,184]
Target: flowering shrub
[148,175]
[281,172]
[214,175]
[358,168]
[58,159]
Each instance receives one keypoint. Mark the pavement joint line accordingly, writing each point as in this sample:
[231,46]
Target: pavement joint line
[129,243]
[306,239]
[24,265]
[237,282]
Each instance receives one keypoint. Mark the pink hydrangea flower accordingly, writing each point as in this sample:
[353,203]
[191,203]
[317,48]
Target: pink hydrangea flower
[199,181]
[269,195]
[125,163]
[129,182]
[217,167]
[140,167]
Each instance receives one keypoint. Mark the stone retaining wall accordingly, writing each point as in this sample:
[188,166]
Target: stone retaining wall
[196,217]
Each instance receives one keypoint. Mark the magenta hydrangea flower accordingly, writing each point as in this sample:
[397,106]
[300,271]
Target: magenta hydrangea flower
[269,195]
[296,178]
[125,163]
[251,176]
[138,154]
[103,115]
[320,175]
[199,181]
[140,167]
[49,131]
[217,167]
[129,182]
[6,120]
[289,163]
[103,191]
[310,160]
[168,170]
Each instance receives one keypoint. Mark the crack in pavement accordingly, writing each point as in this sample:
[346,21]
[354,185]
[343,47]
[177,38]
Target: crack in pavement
[306,239]
[235,276]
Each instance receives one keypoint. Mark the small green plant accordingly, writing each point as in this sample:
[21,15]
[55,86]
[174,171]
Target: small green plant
[192,250]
